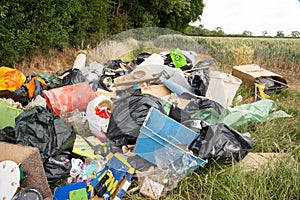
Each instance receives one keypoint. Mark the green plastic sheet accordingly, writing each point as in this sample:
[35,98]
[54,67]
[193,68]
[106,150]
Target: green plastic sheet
[238,116]
[8,113]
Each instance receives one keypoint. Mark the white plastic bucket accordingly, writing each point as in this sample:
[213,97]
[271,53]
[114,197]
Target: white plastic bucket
[222,87]
[79,62]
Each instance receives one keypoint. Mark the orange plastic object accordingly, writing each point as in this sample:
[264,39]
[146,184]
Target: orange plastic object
[69,98]
[31,86]
[11,79]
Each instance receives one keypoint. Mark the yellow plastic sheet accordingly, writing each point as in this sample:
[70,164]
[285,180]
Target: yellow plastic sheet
[11,79]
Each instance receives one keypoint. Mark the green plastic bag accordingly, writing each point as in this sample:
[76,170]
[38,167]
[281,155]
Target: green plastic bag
[178,58]
[258,111]
[8,114]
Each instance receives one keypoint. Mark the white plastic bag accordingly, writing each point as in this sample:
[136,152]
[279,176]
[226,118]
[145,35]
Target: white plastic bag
[97,113]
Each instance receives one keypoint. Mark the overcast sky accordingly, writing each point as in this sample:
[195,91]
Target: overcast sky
[236,16]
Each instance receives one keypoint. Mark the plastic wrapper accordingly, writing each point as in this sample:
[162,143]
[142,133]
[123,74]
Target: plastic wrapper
[68,98]
[98,113]
[38,128]
[114,179]
[128,116]
[142,57]
[173,165]
[77,121]
[219,141]
[199,81]
[139,163]
[11,79]
[178,114]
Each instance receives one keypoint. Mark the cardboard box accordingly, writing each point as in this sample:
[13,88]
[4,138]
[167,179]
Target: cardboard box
[250,73]
[32,165]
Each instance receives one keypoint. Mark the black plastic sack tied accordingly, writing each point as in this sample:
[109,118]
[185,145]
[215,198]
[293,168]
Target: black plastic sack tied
[219,141]
[39,128]
[128,116]
[73,76]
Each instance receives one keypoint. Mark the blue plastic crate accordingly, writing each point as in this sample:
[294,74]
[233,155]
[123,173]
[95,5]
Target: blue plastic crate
[159,132]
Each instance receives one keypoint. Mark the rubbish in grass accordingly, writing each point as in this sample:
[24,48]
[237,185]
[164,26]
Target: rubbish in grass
[154,120]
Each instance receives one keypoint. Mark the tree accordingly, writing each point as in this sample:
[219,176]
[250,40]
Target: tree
[219,31]
[264,33]
[173,14]
[280,34]
[247,33]
[295,34]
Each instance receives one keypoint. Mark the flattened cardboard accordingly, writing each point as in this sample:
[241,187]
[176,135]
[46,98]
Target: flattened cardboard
[156,90]
[30,158]
[249,73]
[255,160]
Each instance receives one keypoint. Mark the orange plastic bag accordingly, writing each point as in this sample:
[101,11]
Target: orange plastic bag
[11,79]
[31,86]
[69,98]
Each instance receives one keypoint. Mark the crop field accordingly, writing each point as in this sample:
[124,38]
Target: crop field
[280,55]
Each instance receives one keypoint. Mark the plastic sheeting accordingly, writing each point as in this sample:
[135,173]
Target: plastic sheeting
[236,117]
[255,112]
[8,114]
[11,79]
[38,128]
[128,116]
[69,98]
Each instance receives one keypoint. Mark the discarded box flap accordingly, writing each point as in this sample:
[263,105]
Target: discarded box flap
[255,160]
[30,158]
[249,73]
[156,90]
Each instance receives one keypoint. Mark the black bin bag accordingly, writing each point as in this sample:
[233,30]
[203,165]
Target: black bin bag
[128,116]
[219,141]
[39,128]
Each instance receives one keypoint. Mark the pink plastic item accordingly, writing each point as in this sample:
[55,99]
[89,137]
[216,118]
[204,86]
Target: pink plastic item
[68,98]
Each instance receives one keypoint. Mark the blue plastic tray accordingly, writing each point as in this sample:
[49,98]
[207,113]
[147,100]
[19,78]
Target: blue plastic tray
[161,132]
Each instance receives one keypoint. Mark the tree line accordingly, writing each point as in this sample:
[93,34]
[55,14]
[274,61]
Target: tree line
[218,31]
[28,27]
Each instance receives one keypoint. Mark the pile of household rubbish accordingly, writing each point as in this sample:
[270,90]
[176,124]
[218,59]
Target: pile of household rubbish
[101,127]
